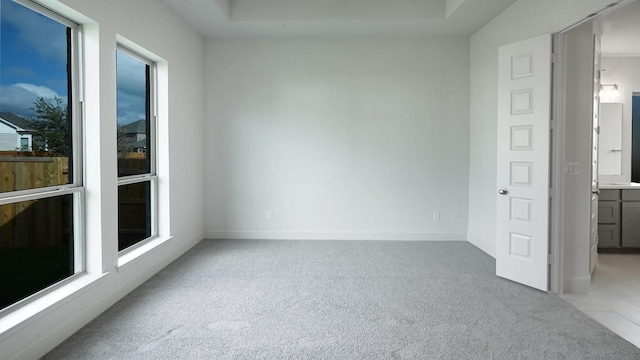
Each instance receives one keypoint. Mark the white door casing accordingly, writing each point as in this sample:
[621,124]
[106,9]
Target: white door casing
[595,129]
[524,108]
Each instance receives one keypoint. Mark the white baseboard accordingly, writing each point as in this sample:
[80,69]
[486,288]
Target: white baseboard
[482,245]
[319,235]
[33,338]
[580,285]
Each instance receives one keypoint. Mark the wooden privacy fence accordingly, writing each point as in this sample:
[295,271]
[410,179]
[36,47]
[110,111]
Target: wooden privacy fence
[48,222]
[134,203]
[22,173]
[131,165]
[40,223]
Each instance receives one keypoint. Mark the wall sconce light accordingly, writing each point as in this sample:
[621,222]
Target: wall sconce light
[608,90]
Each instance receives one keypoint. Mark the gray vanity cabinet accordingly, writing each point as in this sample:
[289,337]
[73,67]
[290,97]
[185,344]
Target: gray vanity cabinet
[608,212]
[609,219]
[608,236]
[630,218]
[631,224]
[619,219]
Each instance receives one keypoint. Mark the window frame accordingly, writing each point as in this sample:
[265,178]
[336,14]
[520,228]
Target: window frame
[23,146]
[151,152]
[76,187]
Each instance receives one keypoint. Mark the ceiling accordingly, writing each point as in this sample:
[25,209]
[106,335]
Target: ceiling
[221,18]
[621,31]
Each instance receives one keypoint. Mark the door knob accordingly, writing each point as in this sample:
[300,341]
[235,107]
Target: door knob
[503,192]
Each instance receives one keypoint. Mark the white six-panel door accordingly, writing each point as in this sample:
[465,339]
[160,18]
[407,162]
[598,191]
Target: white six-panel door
[524,103]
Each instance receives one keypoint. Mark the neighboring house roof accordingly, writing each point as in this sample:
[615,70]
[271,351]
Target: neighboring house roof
[136,127]
[140,144]
[19,123]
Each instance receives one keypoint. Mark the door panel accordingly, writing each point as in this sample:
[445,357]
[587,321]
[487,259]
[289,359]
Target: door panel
[524,104]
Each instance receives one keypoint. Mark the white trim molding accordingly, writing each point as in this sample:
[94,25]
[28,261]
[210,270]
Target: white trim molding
[579,285]
[482,245]
[338,235]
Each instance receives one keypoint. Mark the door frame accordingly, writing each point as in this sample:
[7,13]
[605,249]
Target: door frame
[557,159]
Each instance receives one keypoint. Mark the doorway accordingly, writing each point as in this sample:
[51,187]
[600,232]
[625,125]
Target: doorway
[619,145]
[611,293]
[578,90]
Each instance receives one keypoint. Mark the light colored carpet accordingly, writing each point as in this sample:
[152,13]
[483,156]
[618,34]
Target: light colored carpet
[339,300]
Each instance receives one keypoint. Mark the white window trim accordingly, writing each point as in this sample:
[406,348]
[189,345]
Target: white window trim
[76,187]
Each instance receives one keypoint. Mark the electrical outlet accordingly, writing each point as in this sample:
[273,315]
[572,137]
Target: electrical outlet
[436,216]
[572,168]
[269,215]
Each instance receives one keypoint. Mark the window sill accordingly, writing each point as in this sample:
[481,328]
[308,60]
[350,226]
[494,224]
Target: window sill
[43,304]
[149,246]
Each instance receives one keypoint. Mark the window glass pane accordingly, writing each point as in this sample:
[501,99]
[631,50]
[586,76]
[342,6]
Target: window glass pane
[132,76]
[35,100]
[36,246]
[134,214]
[24,144]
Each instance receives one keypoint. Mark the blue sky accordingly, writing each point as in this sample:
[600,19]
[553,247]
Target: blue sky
[131,82]
[33,63]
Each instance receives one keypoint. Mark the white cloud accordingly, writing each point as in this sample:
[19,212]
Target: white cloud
[128,117]
[131,74]
[40,91]
[130,108]
[19,98]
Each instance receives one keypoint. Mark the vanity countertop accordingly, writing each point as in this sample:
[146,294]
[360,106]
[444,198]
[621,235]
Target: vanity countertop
[615,186]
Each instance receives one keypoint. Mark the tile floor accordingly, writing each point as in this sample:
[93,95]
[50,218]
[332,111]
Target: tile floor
[614,300]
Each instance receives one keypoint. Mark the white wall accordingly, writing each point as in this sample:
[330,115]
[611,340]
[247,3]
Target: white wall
[8,138]
[356,138]
[624,71]
[149,24]
[523,20]
[577,188]
[8,141]
[6,129]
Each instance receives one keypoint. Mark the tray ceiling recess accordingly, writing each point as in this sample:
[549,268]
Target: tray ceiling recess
[220,18]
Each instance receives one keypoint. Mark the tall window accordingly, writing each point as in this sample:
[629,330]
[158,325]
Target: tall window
[41,189]
[137,180]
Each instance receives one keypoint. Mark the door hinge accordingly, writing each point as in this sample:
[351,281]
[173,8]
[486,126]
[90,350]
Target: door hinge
[598,130]
[554,58]
[550,259]
[552,124]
